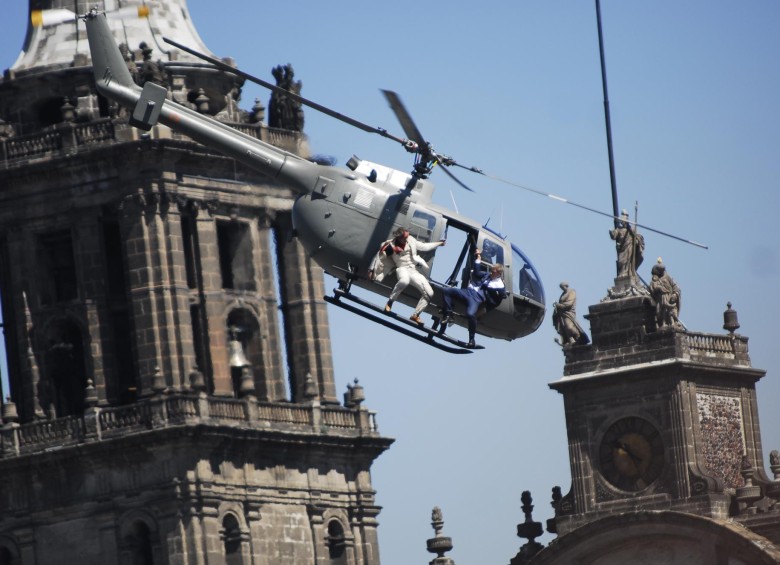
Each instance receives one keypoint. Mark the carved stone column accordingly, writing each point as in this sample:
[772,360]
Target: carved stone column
[155,266]
[208,254]
[21,255]
[307,334]
[90,262]
[272,386]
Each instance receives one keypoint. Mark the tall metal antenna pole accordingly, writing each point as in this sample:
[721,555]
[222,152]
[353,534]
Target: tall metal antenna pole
[615,207]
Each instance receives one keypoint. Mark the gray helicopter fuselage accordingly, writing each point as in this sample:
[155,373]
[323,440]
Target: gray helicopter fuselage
[350,213]
[342,214]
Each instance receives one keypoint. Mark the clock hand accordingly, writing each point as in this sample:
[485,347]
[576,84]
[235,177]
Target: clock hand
[635,458]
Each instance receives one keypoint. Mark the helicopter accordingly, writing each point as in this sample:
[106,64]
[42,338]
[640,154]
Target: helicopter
[343,215]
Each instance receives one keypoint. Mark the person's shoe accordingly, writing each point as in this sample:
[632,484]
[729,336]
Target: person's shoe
[471,344]
[416,319]
[388,307]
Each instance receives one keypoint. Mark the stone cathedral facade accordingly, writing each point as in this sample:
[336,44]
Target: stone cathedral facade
[172,396]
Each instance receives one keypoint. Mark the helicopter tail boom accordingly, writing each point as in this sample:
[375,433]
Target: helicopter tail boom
[148,105]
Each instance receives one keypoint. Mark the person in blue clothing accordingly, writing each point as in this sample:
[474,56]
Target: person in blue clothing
[486,287]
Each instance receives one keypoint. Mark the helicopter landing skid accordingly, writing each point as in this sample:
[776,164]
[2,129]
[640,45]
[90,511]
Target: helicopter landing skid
[391,320]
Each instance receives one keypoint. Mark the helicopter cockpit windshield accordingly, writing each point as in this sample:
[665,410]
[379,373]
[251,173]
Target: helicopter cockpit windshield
[527,283]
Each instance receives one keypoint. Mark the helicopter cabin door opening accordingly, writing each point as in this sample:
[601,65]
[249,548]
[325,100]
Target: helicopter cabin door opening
[454,260]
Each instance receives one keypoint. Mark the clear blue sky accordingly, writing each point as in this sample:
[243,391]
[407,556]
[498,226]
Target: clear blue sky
[515,88]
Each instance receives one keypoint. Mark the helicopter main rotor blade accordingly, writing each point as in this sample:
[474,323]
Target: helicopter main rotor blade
[567,201]
[424,149]
[408,125]
[453,177]
[55,16]
[319,107]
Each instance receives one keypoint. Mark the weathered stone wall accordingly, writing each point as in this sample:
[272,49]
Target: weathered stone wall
[181,480]
[675,384]
[150,460]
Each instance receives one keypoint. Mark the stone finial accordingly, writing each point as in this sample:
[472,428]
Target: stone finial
[202,102]
[158,381]
[552,525]
[247,384]
[439,544]
[774,463]
[10,415]
[529,530]
[348,397]
[354,396]
[197,380]
[773,487]
[357,394]
[310,388]
[90,394]
[748,494]
[730,321]
[68,111]
[6,130]
[257,113]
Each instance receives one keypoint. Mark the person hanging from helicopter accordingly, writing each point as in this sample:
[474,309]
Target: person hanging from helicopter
[486,288]
[401,253]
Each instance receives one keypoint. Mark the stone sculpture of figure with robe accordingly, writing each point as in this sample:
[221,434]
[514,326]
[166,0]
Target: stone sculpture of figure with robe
[565,318]
[630,247]
[150,71]
[283,111]
[666,295]
[127,55]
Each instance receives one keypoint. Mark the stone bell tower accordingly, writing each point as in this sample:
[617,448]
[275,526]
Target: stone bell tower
[664,440]
[152,417]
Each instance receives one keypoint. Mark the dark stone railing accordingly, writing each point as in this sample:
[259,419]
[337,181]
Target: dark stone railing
[67,139]
[182,409]
[716,346]
[729,350]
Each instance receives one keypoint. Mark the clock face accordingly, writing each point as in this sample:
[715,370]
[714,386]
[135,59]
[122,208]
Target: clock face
[631,454]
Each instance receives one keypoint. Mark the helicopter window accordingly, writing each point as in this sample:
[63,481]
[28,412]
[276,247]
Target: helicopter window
[422,225]
[425,220]
[492,252]
[528,283]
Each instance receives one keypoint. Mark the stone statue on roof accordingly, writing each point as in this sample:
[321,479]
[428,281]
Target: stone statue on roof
[666,295]
[284,111]
[150,71]
[630,247]
[565,318]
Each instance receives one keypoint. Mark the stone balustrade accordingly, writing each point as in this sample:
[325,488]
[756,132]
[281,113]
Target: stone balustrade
[68,139]
[707,348]
[181,410]
[724,347]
